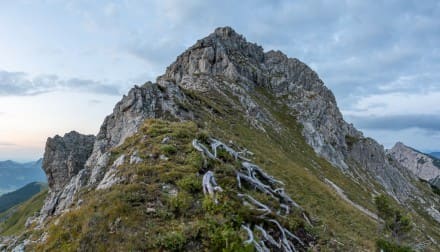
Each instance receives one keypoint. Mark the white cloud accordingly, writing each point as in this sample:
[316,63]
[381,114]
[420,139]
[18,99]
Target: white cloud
[21,84]
[380,59]
[397,103]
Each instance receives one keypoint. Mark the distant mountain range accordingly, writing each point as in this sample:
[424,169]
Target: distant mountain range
[26,192]
[17,206]
[435,154]
[14,175]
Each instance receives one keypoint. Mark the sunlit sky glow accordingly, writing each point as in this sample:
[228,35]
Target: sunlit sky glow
[64,64]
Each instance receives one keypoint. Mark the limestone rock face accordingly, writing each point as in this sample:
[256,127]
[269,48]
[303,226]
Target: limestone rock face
[65,156]
[435,182]
[418,163]
[396,179]
[225,57]
[226,53]
[63,163]
[149,101]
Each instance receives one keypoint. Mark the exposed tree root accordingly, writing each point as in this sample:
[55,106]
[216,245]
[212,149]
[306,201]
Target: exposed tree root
[210,186]
[273,236]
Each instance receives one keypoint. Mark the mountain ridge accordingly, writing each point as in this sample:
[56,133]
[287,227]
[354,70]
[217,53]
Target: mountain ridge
[424,166]
[20,195]
[296,85]
[14,175]
[435,154]
[234,89]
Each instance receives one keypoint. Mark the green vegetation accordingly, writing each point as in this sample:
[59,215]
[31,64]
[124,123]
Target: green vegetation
[435,189]
[13,221]
[388,246]
[396,225]
[350,140]
[163,206]
[286,155]
[11,199]
[160,206]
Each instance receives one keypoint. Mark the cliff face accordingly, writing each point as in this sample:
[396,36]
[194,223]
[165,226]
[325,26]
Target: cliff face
[65,156]
[421,165]
[76,161]
[148,101]
[220,76]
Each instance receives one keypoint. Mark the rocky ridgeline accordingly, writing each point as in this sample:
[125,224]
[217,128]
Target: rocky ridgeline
[226,63]
[227,54]
[148,101]
[419,164]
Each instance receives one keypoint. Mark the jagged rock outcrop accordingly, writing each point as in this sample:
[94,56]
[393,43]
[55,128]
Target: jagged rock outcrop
[423,166]
[371,156]
[63,163]
[67,177]
[226,53]
[418,163]
[65,156]
[149,101]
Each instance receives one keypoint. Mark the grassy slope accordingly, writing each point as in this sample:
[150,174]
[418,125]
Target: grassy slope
[123,216]
[118,216]
[144,214]
[288,157]
[17,216]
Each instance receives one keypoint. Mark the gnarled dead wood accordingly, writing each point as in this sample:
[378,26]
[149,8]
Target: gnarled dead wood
[254,176]
[210,186]
[259,206]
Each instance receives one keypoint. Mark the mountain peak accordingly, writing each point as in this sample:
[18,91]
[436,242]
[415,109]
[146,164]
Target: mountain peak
[421,165]
[223,52]
[227,32]
[399,145]
[234,92]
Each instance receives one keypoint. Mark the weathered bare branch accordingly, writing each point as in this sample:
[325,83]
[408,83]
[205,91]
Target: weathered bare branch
[256,184]
[250,234]
[260,206]
[307,219]
[258,179]
[215,144]
[210,186]
[267,237]
[286,198]
[238,181]
[258,247]
[202,148]
[286,208]
[254,170]
[294,237]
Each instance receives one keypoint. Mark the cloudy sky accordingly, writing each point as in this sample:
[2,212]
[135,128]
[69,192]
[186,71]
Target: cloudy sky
[64,64]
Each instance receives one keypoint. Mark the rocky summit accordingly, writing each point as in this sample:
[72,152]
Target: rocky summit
[231,149]
[424,166]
